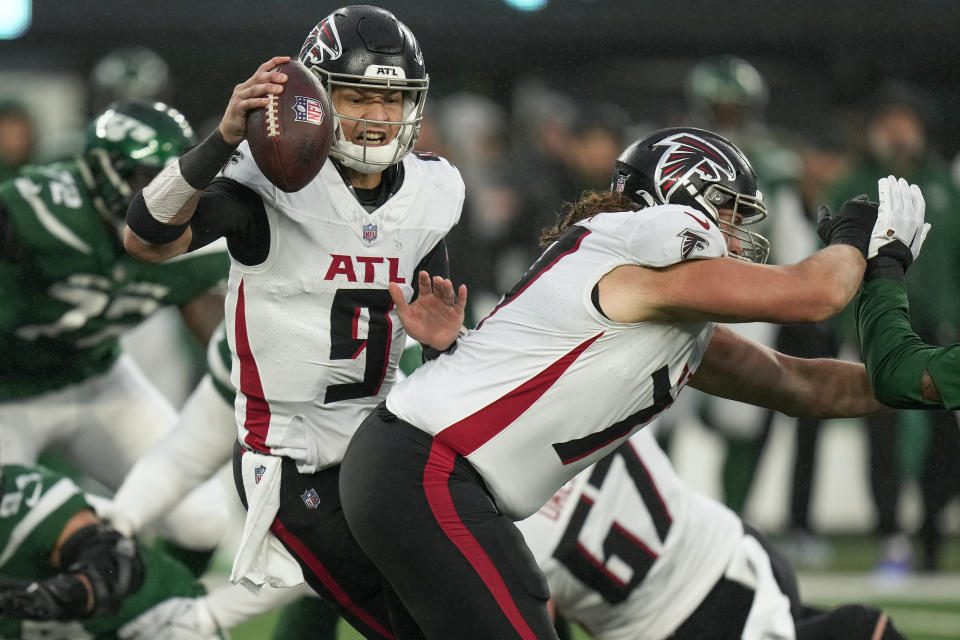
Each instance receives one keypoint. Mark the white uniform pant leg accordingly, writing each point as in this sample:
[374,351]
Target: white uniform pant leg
[30,426]
[20,441]
[126,416]
[199,446]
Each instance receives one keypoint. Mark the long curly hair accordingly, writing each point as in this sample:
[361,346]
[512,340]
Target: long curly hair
[590,204]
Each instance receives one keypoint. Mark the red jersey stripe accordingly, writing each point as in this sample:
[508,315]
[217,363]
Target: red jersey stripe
[467,435]
[257,418]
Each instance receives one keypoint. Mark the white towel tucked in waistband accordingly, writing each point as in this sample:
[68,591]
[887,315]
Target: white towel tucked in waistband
[261,559]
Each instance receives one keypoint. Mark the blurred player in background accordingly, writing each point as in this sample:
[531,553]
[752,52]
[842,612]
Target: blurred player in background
[66,574]
[314,333]
[597,338]
[629,551]
[897,137]
[129,73]
[70,291]
[729,95]
[17,138]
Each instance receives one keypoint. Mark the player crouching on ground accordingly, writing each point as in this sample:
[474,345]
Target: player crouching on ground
[64,573]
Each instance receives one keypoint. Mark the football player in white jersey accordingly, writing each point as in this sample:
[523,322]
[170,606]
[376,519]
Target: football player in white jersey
[597,337]
[314,332]
[630,552]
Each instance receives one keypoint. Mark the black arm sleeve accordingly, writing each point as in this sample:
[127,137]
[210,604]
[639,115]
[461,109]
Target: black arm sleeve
[201,164]
[436,263]
[231,210]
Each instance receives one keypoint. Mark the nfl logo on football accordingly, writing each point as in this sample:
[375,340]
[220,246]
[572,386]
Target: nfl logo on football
[308,110]
[310,498]
[369,232]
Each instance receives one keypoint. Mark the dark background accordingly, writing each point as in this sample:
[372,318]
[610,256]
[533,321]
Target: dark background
[819,57]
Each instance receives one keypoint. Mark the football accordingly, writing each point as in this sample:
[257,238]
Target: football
[291,137]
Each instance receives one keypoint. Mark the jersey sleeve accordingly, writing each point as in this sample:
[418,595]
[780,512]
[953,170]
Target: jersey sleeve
[665,235]
[233,211]
[895,356]
[243,169]
[37,503]
[436,263]
[447,179]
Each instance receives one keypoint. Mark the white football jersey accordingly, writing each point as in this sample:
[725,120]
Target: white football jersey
[314,334]
[547,385]
[629,551]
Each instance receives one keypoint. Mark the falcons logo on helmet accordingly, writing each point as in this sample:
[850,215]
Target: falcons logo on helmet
[691,241]
[323,43]
[686,154]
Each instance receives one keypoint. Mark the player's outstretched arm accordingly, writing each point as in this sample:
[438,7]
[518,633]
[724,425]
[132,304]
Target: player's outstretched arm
[740,369]
[435,318]
[158,218]
[906,372]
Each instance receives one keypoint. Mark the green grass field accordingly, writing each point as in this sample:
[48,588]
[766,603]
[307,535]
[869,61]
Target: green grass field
[923,606]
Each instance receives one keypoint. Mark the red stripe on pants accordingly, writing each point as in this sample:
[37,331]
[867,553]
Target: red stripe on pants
[321,572]
[436,475]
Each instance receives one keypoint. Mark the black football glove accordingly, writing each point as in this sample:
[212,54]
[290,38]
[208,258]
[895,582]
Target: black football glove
[60,597]
[852,225]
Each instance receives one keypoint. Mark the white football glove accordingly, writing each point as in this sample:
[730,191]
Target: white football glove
[174,619]
[900,216]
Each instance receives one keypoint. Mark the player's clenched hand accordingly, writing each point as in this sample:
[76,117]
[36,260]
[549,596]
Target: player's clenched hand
[248,95]
[852,225]
[900,229]
[435,317]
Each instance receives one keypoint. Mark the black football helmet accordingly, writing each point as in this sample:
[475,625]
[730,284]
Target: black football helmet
[700,169]
[366,47]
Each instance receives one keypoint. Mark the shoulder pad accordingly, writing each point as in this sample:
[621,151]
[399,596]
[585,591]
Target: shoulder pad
[669,234]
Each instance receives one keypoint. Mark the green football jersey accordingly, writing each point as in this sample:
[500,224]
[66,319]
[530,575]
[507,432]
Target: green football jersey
[219,362]
[35,506]
[894,354]
[75,290]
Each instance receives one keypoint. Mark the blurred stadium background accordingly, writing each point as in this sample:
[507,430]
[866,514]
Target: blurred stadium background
[500,73]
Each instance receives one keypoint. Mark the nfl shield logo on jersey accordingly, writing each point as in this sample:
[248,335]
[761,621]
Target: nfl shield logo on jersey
[310,498]
[258,473]
[369,232]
